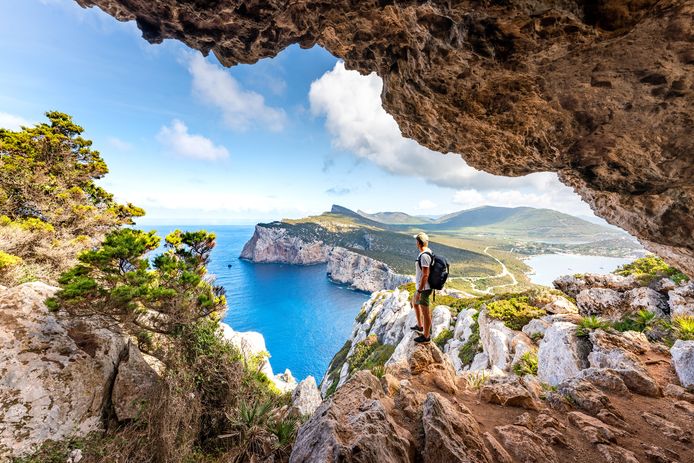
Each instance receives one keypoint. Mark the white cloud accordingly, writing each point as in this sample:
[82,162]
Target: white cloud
[425,205]
[351,105]
[177,139]
[240,108]
[118,144]
[12,122]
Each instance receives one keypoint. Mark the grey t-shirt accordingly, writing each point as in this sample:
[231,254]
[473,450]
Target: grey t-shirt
[425,259]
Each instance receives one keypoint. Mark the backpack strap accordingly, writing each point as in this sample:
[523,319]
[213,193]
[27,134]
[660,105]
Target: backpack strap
[419,259]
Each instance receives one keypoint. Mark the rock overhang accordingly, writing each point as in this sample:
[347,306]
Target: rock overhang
[601,91]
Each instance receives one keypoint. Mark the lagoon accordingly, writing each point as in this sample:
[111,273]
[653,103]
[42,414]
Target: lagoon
[304,318]
[548,267]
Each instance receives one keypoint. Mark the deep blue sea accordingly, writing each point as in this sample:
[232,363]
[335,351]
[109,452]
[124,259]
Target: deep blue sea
[304,318]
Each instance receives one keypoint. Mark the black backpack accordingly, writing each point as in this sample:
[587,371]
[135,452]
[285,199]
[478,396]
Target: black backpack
[438,270]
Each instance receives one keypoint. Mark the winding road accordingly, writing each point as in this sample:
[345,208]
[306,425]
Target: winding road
[504,272]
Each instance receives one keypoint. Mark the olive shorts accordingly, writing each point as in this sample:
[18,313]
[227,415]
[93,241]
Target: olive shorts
[423,297]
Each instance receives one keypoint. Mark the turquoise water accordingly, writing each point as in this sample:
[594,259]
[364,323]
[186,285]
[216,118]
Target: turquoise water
[304,318]
[549,267]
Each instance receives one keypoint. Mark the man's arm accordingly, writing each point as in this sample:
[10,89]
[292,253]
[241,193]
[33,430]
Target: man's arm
[425,278]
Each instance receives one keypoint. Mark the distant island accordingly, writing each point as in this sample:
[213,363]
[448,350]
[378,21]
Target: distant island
[485,245]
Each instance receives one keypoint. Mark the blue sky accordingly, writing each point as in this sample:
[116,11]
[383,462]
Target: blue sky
[193,142]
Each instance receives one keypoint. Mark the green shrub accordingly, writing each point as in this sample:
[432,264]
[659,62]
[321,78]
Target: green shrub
[590,323]
[527,365]
[361,316]
[443,337]
[472,346]
[8,260]
[684,328]
[650,268]
[515,312]
[335,367]
[369,353]
[639,321]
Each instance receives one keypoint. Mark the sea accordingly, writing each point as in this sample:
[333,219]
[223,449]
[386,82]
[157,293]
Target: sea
[304,317]
[548,267]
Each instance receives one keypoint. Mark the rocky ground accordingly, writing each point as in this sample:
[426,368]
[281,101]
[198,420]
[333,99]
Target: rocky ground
[528,385]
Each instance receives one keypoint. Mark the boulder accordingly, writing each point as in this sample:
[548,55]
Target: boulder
[647,299]
[683,359]
[306,397]
[596,431]
[508,392]
[463,324]
[585,396]
[618,352]
[603,302]
[440,320]
[562,354]
[451,433]
[353,426]
[560,305]
[536,328]
[58,375]
[572,285]
[667,427]
[681,300]
[525,445]
[496,340]
[604,378]
[616,454]
[663,285]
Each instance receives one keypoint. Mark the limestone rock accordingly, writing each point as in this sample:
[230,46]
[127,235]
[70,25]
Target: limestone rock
[58,375]
[353,426]
[440,320]
[496,340]
[678,392]
[560,305]
[499,453]
[362,272]
[647,299]
[536,328]
[508,392]
[593,429]
[683,360]
[618,353]
[561,355]
[573,285]
[681,300]
[525,445]
[463,324]
[603,302]
[604,378]
[585,396]
[134,385]
[306,397]
[451,433]
[617,454]
[667,427]
[275,244]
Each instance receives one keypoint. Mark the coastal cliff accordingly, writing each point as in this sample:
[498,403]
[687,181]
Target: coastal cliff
[276,245]
[362,272]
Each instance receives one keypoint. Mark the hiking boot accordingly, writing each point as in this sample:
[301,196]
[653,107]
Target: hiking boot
[422,339]
[417,328]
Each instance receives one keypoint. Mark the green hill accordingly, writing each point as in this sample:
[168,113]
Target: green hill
[395,218]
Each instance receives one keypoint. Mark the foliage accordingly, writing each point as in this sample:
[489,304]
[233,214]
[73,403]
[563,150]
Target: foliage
[476,379]
[333,374]
[472,346]
[638,321]
[443,337]
[369,354]
[50,205]
[379,371]
[515,312]
[117,281]
[684,328]
[361,316]
[8,260]
[650,268]
[590,323]
[527,365]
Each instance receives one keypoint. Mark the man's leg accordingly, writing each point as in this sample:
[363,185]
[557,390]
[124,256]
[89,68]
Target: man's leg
[426,320]
[417,311]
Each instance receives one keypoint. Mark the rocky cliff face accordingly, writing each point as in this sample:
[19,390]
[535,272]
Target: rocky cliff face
[59,377]
[362,272]
[601,92]
[480,346]
[274,244]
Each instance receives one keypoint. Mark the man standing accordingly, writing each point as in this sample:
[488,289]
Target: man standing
[420,301]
